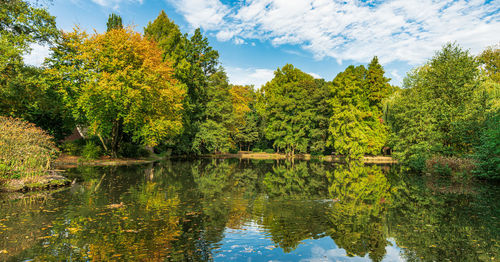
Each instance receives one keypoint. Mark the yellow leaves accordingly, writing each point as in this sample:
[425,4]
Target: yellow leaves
[72,230]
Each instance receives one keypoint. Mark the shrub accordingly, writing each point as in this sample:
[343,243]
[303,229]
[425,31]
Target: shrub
[270,151]
[91,151]
[133,151]
[25,150]
[73,148]
[454,167]
[256,150]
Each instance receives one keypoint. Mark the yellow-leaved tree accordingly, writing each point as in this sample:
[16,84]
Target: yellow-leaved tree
[124,86]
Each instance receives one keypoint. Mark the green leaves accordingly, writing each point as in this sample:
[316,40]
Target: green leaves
[356,125]
[434,115]
[290,108]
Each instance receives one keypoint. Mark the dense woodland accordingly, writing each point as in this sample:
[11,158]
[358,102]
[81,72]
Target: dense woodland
[166,91]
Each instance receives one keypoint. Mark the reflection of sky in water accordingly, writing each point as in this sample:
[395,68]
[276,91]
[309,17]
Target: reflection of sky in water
[252,243]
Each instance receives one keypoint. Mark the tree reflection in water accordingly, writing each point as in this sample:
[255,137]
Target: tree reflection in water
[182,211]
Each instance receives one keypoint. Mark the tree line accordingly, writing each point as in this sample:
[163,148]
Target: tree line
[167,91]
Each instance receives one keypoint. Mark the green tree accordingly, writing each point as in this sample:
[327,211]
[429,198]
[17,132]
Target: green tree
[194,61]
[488,150]
[21,25]
[24,92]
[356,125]
[288,107]
[214,134]
[114,22]
[432,115]
[490,61]
[168,36]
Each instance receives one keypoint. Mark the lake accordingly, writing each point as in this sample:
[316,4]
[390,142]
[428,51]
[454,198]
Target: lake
[250,210]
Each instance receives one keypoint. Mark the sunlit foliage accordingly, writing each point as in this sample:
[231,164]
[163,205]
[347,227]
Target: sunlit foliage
[117,83]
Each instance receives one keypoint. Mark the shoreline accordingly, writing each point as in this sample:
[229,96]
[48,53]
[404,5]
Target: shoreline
[279,156]
[67,161]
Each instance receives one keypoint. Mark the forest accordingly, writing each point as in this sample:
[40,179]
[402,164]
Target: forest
[164,91]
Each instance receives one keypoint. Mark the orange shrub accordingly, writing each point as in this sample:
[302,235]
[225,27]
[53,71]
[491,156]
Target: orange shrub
[25,149]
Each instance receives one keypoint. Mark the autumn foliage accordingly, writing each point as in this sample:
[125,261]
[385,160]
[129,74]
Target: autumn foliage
[25,150]
[125,87]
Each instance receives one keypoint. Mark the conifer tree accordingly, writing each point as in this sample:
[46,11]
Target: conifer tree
[114,22]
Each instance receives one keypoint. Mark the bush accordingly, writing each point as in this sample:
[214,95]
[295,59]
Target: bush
[91,151]
[73,148]
[233,150]
[454,167]
[133,151]
[25,150]
[256,150]
[270,151]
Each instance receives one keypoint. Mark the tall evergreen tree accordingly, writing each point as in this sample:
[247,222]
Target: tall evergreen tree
[168,36]
[356,126]
[376,84]
[194,61]
[114,22]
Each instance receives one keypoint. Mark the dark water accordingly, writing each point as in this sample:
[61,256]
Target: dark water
[230,210]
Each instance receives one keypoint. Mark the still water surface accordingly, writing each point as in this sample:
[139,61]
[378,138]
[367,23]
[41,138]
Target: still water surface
[231,210]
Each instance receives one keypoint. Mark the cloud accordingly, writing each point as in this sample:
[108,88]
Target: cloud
[115,4]
[315,75]
[239,41]
[397,30]
[37,55]
[208,14]
[249,76]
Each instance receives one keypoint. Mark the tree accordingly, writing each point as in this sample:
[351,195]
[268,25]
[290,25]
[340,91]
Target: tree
[356,125]
[114,22]
[214,134]
[24,92]
[434,115]
[122,86]
[288,109]
[377,85]
[194,61]
[168,36]
[22,25]
[245,130]
[489,60]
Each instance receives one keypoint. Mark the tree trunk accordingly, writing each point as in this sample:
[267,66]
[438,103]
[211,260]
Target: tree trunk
[102,141]
[116,137]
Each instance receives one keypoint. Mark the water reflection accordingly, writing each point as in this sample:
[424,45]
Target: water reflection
[205,210]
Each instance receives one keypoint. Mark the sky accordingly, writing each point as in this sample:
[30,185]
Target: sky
[320,37]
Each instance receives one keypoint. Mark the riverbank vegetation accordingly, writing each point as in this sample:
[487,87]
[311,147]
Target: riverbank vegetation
[166,92]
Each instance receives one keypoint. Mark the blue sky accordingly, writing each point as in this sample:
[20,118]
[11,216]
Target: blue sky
[321,37]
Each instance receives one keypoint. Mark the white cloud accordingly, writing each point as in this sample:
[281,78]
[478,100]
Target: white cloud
[115,4]
[208,14]
[238,41]
[395,30]
[395,77]
[37,55]
[315,75]
[249,76]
